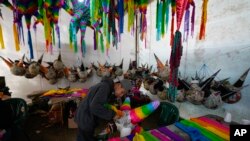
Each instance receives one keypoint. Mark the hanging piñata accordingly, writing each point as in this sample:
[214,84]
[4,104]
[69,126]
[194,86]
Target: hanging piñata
[81,19]
[50,11]
[26,8]
[142,5]
[7,4]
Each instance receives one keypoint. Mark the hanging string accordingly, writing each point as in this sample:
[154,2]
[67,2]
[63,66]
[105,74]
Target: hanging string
[1,37]
[203,20]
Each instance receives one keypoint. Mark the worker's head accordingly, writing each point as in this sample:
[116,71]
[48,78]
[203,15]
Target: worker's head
[122,87]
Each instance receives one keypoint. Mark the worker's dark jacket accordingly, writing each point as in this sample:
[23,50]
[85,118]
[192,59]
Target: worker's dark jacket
[92,107]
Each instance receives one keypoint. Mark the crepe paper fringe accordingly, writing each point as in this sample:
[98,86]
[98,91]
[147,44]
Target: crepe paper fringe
[157,12]
[173,9]
[180,9]
[58,36]
[192,19]
[1,37]
[53,34]
[105,5]
[83,47]
[30,45]
[95,43]
[186,24]
[121,15]
[131,13]
[203,20]
[168,2]
[187,20]
[102,44]
[73,37]
[47,31]
[16,37]
[164,6]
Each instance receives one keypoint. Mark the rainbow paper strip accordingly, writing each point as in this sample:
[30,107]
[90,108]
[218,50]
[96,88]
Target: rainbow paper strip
[224,135]
[149,137]
[126,104]
[206,133]
[170,134]
[194,133]
[140,113]
[220,126]
[160,135]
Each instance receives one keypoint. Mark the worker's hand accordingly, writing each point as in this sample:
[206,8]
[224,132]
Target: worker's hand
[119,114]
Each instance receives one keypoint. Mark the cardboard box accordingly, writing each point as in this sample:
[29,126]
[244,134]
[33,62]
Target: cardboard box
[71,123]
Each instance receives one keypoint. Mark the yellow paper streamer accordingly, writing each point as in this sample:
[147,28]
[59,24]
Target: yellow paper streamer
[16,37]
[131,14]
[1,37]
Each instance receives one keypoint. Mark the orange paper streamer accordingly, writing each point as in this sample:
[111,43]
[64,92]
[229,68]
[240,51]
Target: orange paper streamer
[16,37]
[203,20]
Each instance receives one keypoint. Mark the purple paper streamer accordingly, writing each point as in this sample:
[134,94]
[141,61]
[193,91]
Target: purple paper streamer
[58,35]
[186,25]
[192,19]
[159,136]
[170,134]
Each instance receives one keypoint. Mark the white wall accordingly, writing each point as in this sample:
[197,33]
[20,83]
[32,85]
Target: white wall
[225,47]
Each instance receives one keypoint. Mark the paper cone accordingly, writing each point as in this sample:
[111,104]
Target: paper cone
[126,104]
[140,113]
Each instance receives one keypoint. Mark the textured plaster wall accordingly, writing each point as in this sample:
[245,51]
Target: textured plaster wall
[226,47]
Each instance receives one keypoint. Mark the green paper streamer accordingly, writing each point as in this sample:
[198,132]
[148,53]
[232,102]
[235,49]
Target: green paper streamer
[102,44]
[96,39]
[164,6]
[53,34]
